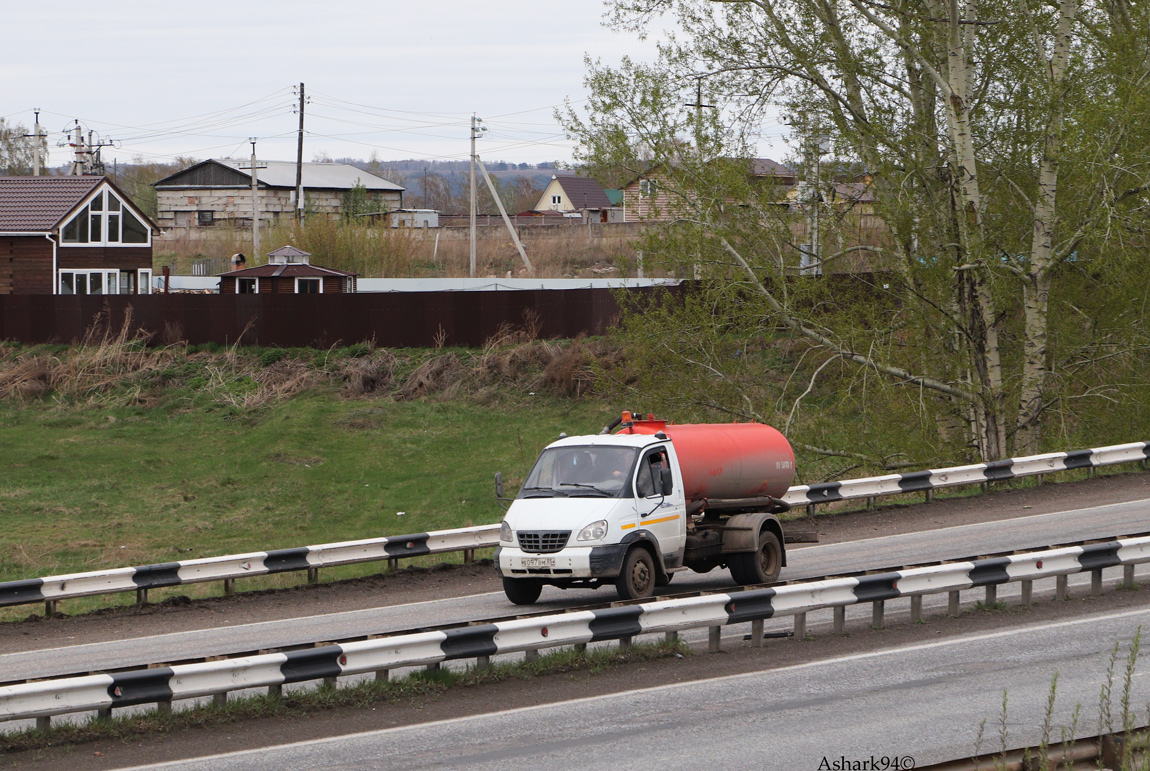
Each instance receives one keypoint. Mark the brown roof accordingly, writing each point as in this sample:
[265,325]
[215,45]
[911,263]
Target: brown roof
[584,193]
[290,270]
[38,204]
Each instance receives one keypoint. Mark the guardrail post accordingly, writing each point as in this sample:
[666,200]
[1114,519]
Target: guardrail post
[870,502]
[1145,463]
[531,654]
[164,707]
[276,691]
[952,603]
[714,639]
[482,662]
[877,608]
[915,608]
[1027,592]
[800,626]
[991,594]
[329,682]
[1060,588]
[757,633]
[1039,478]
[810,509]
[220,699]
[382,675]
[229,587]
[625,643]
[104,713]
[313,575]
[1096,581]
[1128,576]
[1090,471]
[669,637]
[840,622]
[582,647]
[392,564]
[142,595]
[49,608]
[468,556]
[434,666]
[930,495]
[985,486]
[44,723]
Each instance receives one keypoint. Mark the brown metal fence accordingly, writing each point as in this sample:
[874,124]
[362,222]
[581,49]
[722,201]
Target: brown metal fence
[391,320]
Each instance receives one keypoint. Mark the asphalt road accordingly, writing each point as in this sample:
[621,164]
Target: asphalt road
[921,701]
[953,542]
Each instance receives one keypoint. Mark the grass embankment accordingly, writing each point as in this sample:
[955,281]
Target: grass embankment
[116,455]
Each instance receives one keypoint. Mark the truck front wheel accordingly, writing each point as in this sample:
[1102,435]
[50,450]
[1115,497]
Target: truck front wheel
[761,566]
[522,591]
[637,579]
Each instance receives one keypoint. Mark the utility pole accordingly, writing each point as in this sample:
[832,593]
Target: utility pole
[299,160]
[255,203]
[698,105]
[36,147]
[474,136]
[821,145]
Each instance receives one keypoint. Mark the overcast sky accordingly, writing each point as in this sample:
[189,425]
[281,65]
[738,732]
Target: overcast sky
[398,78]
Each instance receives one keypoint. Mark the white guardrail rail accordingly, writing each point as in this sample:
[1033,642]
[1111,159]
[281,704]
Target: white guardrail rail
[163,685]
[51,589]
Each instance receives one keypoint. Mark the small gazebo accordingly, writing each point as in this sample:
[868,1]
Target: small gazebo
[288,271]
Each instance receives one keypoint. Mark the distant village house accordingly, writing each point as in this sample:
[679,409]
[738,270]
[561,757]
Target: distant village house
[220,192]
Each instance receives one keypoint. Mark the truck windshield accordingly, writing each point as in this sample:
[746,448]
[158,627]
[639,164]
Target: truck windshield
[572,472]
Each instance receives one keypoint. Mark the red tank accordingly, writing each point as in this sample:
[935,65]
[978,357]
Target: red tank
[726,460]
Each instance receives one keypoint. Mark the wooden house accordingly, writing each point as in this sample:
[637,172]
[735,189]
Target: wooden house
[288,271]
[72,235]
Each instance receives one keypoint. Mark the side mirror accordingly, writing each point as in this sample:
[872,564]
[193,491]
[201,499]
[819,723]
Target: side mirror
[666,481]
[498,484]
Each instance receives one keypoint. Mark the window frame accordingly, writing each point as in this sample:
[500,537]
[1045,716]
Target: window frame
[255,284]
[319,282]
[109,280]
[98,210]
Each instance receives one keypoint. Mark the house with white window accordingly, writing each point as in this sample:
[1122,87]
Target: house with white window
[72,235]
[581,198]
[288,271]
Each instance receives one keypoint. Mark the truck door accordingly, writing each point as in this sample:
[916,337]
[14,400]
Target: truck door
[662,516]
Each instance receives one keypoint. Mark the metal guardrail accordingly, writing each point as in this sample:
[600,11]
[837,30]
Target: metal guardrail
[228,568]
[162,685]
[140,579]
[979,473]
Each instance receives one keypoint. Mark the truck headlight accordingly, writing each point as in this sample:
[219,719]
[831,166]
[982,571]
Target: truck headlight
[505,533]
[594,531]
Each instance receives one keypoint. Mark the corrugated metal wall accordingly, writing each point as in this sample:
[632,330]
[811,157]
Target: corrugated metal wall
[407,319]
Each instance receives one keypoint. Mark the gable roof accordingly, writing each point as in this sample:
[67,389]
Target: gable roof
[40,204]
[584,192]
[226,172]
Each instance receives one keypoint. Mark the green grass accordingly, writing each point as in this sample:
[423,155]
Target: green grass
[85,488]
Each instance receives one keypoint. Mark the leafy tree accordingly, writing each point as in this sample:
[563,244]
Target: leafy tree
[17,149]
[1006,146]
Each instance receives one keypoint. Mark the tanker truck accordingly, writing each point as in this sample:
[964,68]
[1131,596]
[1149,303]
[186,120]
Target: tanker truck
[634,507]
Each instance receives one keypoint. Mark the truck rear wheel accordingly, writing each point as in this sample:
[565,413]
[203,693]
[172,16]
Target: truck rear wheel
[522,591]
[761,566]
[637,579]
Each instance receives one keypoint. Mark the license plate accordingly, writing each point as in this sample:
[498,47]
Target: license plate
[538,562]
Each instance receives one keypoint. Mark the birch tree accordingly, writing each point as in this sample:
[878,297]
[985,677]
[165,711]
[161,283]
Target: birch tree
[1002,139]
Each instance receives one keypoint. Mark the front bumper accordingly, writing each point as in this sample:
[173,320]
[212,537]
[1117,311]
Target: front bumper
[571,562]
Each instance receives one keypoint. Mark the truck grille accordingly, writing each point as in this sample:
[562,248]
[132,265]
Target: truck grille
[543,542]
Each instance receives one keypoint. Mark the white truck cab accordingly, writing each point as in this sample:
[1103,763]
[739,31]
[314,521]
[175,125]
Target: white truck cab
[613,508]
